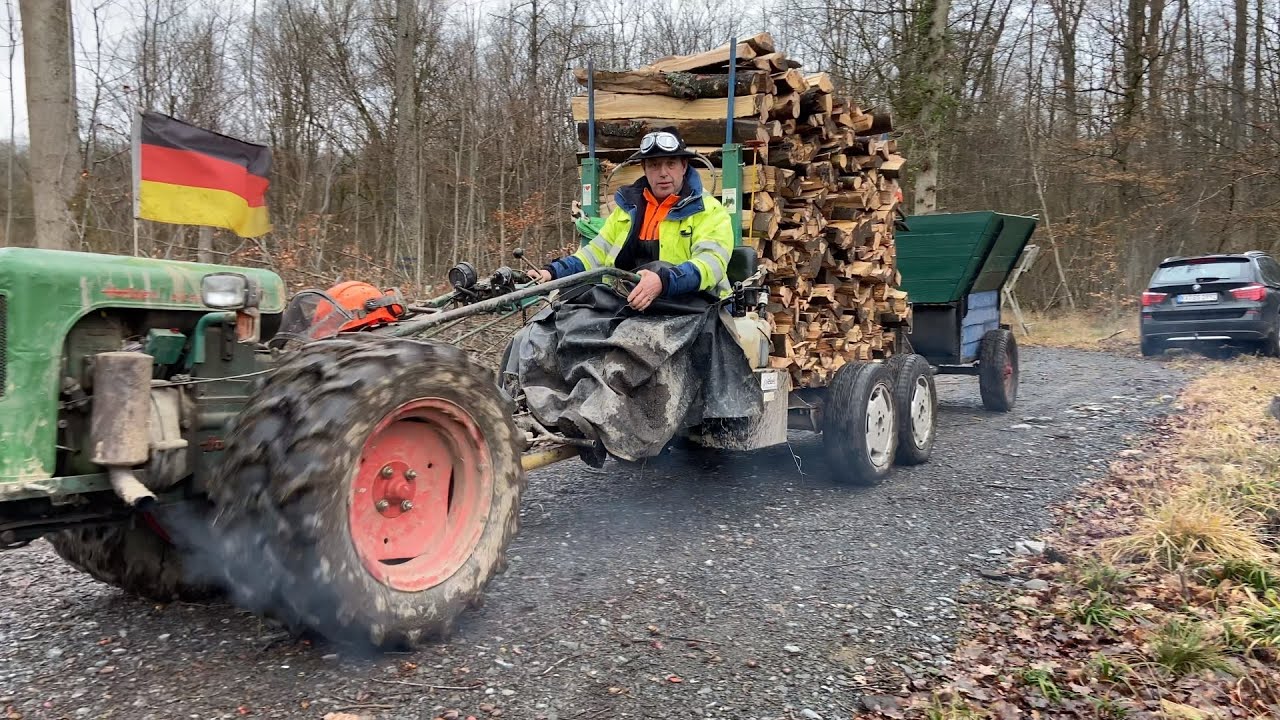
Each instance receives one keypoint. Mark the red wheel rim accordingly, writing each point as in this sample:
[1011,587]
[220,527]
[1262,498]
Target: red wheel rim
[421,494]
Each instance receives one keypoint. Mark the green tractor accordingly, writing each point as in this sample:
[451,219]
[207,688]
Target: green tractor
[157,429]
[179,430]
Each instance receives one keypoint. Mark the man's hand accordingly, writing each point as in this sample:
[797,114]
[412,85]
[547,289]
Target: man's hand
[646,291]
[542,275]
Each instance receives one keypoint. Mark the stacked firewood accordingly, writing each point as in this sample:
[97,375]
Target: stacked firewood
[820,189]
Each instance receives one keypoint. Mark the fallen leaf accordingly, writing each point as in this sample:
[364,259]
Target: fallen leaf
[1178,711]
[675,679]
[1005,711]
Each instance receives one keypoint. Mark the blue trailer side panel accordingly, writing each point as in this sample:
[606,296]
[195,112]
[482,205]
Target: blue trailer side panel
[981,315]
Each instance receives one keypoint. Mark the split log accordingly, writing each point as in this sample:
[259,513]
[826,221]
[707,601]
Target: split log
[627,133]
[792,80]
[821,81]
[618,106]
[815,100]
[881,122]
[683,85]
[748,49]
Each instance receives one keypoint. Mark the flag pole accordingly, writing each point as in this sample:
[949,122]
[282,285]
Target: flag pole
[136,141]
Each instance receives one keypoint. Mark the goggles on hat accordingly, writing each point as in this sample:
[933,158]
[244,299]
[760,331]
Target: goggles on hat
[663,139]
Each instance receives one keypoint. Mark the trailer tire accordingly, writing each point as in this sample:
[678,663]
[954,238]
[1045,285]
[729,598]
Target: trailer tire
[134,557]
[916,398]
[998,370]
[369,491]
[859,425]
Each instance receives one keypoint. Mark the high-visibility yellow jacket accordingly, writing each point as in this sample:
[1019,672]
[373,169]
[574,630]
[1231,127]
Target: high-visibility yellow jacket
[696,237]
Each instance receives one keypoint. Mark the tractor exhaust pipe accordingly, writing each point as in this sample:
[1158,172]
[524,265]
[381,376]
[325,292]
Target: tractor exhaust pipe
[118,434]
[130,489]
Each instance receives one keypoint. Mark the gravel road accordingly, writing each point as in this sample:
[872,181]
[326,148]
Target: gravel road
[742,586]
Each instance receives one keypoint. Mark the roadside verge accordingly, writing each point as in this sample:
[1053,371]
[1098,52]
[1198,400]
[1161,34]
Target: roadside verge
[1157,592]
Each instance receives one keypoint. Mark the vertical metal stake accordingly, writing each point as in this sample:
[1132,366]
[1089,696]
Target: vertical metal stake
[731,155]
[590,170]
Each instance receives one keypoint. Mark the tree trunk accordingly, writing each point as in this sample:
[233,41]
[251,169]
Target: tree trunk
[51,117]
[408,205]
[204,244]
[931,17]
[1240,188]
[13,140]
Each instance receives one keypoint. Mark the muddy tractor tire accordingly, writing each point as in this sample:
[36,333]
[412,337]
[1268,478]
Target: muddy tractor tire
[134,557]
[998,370]
[369,491]
[859,423]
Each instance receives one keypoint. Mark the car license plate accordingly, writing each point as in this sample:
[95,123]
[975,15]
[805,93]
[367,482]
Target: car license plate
[1198,298]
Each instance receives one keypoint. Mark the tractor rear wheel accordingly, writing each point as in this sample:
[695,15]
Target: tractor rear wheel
[134,556]
[859,423]
[998,370]
[369,490]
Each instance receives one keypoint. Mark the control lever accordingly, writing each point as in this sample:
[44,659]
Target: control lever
[518,254]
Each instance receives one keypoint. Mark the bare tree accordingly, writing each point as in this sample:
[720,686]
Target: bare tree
[51,116]
[927,97]
[408,204]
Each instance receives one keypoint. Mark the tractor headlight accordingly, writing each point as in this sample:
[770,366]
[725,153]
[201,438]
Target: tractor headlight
[463,276]
[228,291]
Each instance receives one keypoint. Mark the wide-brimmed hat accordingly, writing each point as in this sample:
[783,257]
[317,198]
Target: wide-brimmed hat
[661,144]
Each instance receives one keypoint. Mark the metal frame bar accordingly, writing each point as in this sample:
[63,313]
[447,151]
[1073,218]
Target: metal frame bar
[414,327]
[1028,258]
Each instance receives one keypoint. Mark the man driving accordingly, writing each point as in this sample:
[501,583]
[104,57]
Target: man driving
[663,216]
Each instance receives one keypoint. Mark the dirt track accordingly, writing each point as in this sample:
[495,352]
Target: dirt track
[744,586]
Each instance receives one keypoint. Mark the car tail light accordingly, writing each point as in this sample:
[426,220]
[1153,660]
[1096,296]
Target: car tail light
[1255,292]
[1153,298]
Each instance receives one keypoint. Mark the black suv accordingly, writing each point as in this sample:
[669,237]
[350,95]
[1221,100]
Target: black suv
[1219,299]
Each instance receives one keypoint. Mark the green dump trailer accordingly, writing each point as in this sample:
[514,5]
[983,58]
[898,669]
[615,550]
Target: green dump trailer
[953,267]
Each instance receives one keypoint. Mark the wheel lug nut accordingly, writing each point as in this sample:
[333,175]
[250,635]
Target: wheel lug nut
[406,505]
[411,474]
[382,505]
[386,471]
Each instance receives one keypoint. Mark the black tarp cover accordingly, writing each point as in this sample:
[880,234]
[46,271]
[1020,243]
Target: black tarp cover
[593,367]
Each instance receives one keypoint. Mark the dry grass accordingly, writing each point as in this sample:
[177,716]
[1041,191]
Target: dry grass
[1189,530]
[1226,466]
[1181,604]
[1116,332]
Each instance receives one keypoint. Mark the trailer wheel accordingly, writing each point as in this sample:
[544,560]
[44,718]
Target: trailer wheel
[859,423]
[998,370]
[916,398]
[369,491]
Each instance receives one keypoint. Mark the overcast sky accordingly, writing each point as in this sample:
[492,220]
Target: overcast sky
[114,17]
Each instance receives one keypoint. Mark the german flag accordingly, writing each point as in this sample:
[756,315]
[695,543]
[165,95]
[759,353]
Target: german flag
[191,176]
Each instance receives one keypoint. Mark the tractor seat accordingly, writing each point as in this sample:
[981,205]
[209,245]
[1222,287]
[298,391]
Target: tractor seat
[742,264]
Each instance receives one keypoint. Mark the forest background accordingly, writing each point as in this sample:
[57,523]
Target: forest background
[410,134]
